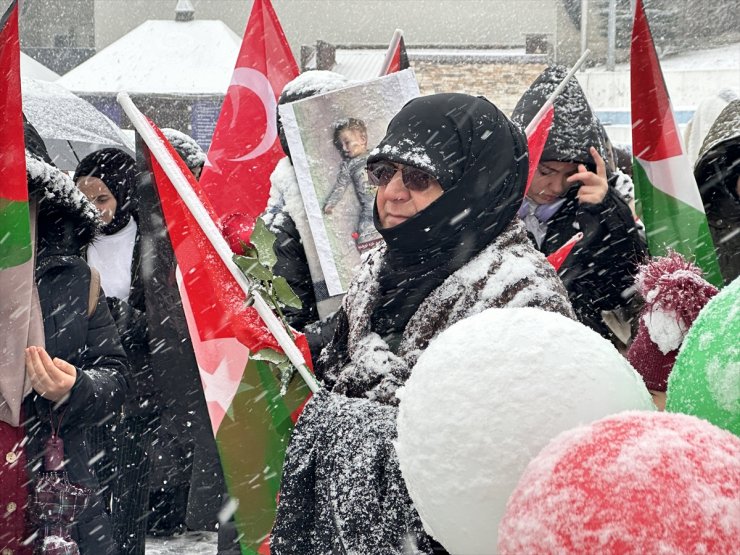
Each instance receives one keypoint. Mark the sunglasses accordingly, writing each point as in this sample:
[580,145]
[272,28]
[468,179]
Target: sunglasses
[381,173]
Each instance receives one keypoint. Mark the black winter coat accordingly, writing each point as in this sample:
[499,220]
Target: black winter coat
[132,325]
[93,347]
[717,172]
[67,223]
[599,272]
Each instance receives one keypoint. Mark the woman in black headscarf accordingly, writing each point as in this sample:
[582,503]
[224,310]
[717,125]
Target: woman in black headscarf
[475,159]
[107,178]
[451,173]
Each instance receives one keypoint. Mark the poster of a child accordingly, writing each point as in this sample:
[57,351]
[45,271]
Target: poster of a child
[350,139]
[330,137]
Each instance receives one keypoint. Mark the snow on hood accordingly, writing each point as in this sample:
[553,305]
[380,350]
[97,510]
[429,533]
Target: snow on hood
[313,82]
[186,147]
[53,185]
[574,128]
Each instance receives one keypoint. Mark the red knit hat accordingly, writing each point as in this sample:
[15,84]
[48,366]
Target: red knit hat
[674,292]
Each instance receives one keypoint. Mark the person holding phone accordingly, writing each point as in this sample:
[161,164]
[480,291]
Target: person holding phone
[574,189]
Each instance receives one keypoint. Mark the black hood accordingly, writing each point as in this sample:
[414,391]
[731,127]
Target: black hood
[718,165]
[479,158]
[117,170]
[575,127]
[67,222]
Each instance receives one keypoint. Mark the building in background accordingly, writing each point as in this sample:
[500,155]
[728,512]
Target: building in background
[176,71]
[494,48]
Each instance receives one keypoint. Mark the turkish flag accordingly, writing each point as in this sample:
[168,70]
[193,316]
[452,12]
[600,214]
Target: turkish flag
[245,146]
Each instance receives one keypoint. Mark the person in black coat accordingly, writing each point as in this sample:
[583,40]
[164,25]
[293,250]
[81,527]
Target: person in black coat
[717,173]
[84,344]
[572,191]
[107,177]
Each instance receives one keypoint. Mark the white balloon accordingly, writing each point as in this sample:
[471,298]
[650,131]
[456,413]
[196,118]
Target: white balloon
[484,398]
[257,82]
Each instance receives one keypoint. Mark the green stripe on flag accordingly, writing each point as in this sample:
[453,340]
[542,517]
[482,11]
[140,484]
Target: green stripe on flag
[672,224]
[252,448]
[15,233]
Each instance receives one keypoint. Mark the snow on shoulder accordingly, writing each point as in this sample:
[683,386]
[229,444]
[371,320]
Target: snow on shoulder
[314,82]
[486,395]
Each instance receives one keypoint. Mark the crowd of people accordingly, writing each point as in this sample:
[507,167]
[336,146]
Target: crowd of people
[461,233]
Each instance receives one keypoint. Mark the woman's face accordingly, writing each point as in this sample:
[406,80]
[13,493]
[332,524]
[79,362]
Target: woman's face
[397,203]
[550,181]
[98,193]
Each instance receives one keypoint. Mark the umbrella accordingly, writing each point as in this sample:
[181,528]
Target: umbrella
[71,127]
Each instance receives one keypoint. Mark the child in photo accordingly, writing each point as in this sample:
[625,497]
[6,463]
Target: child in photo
[350,139]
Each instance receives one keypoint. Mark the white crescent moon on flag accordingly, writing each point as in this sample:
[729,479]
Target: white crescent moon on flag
[257,82]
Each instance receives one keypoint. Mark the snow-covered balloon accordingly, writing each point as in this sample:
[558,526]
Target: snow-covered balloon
[705,380]
[484,398]
[636,482]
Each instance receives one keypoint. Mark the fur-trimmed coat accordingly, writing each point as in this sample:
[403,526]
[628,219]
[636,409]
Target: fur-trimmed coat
[508,273]
[342,489]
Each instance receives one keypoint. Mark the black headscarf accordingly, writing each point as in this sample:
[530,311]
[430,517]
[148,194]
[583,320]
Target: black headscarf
[116,169]
[480,159]
[575,126]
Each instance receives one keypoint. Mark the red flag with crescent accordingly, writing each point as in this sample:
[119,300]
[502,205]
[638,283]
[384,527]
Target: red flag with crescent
[245,146]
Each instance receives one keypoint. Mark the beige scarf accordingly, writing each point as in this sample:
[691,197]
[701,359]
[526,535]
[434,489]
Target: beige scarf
[21,325]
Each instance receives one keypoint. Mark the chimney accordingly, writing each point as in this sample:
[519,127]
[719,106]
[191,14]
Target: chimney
[325,55]
[184,11]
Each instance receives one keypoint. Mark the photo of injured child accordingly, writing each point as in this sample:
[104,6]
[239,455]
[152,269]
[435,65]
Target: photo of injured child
[330,137]
[350,139]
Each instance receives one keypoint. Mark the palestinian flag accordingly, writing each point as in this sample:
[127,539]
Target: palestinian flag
[17,324]
[668,200]
[15,234]
[396,58]
[250,420]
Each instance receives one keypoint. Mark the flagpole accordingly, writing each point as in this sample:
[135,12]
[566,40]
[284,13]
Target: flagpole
[201,215]
[395,39]
[546,106]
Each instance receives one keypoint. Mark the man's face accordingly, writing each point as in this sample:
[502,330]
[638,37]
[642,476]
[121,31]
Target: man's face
[397,202]
[549,181]
[98,193]
[353,142]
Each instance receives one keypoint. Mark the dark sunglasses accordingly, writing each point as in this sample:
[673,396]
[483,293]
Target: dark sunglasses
[381,173]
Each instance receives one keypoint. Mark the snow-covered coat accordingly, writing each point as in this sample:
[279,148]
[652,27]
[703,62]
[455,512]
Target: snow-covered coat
[600,270]
[508,273]
[342,490]
[66,223]
[717,171]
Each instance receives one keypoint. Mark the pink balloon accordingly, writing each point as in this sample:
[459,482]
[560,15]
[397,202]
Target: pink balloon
[636,482]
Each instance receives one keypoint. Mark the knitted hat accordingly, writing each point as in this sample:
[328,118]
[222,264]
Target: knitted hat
[674,292]
[186,147]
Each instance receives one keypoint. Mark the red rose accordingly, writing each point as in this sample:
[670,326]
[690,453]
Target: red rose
[237,229]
